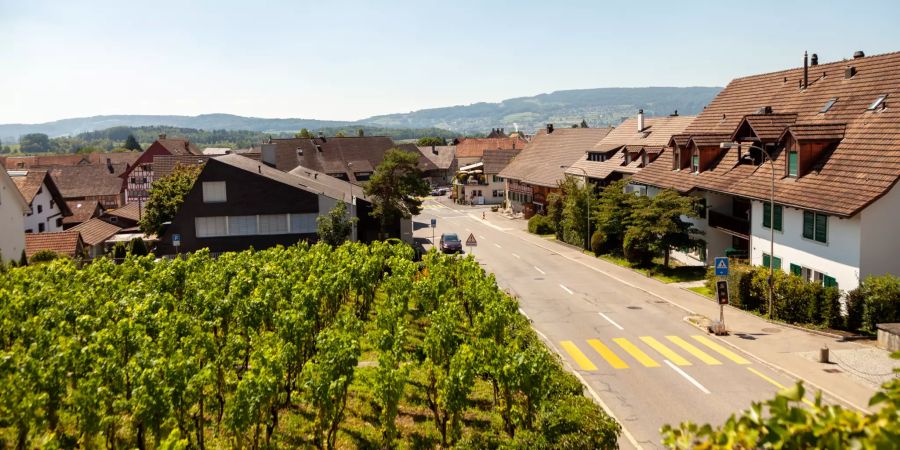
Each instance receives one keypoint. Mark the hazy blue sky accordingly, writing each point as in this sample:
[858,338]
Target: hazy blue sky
[352,59]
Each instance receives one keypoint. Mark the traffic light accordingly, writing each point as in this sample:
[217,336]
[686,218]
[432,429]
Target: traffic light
[722,292]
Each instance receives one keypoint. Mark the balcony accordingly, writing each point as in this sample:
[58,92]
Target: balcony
[732,225]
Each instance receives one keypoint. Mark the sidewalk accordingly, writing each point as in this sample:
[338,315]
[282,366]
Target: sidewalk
[856,370]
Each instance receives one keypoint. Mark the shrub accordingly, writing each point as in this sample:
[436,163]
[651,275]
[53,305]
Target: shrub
[576,422]
[598,242]
[637,246]
[137,247]
[43,256]
[739,278]
[882,300]
[856,304]
[541,224]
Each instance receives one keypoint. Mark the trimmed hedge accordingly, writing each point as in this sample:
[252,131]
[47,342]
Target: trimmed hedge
[541,224]
[881,301]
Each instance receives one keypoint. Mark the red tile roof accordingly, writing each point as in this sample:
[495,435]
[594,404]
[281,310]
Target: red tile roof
[544,159]
[475,147]
[31,183]
[96,231]
[62,242]
[82,211]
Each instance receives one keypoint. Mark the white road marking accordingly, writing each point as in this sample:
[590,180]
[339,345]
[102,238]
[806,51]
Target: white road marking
[566,289]
[686,376]
[482,237]
[539,270]
[517,256]
[498,245]
[468,229]
[611,321]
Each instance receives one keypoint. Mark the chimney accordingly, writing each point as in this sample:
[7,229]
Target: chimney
[675,114]
[434,149]
[109,165]
[858,54]
[640,120]
[549,128]
[849,72]
[162,136]
[805,72]
[814,60]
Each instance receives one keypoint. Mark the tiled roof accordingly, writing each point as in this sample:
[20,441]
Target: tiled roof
[178,146]
[495,160]
[475,147]
[27,162]
[862,167]
[443,159]
[763,127]
[163,165]
[88,180]
[300,178]
[816,132]
[541,160]
[82,210]
[96,231]
[424,163]
[30,183]
[131,211]
[656,133]
[61,242]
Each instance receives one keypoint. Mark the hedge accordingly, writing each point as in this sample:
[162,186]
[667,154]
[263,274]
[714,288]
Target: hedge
[541,224]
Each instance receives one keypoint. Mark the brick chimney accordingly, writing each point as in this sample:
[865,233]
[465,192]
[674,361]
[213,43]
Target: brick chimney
[640,120]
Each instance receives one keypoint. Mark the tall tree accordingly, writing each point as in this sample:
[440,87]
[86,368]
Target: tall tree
[166,198]
[395,186]
[431,140]
[336,226]
[131,143]
[664,220]
[34,143]
[304,133]
[612,213]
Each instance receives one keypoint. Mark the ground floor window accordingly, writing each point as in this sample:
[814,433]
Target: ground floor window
[766,260]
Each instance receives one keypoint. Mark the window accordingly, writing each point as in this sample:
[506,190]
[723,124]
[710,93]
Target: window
[793,164]
[241,225]
[214,192]
[828,281]
[644,160]
[133,180]
[828,105]
[878,101]
[767,216]
[676,161]
[59,221]
[695,163]
[815,226]
[52,203]
[766,258]
[40,209]
[627,158]
[273,224]
[303,223]
[211,226]
[41,228]
[796,270]
[595,156]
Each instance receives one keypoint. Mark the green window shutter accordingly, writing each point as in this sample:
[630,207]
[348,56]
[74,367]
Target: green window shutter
[808,224]
[777,263]
[779,217]
[695,163]
[796,270]
[829,281]
[821,228]
[793,161]
[767,215]
[765,260]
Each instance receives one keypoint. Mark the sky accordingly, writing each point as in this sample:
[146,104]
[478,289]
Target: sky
[348,60]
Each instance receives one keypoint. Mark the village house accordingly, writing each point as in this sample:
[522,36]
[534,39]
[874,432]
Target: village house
[65,243]
[350,159]
[138,179]
[82,211]
[237,203]
[47,206]
[628,148]
[480,183]
[538,170]
[443,157]
[80,159]
[826,139]
[100,182]
[13,208]
[470,150]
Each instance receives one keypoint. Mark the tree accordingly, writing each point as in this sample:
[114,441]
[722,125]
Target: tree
[340,134]
[304,133]
[360,132]
[612,213]
[583,123]
[395,186]
[137,247]
[34,143]
[663,219]
[166,198]
[336,226]
[131,143]
[429,141]
[576,197]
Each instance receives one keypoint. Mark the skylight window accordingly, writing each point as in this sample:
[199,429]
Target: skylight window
[828,105]
[878,101]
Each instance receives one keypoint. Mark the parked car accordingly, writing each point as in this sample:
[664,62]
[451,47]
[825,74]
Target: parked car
[450,243]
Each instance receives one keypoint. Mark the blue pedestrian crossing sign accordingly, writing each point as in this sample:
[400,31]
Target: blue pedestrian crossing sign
[433,223]
[721,266]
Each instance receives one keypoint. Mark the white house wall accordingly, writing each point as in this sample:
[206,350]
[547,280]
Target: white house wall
[48,214]
[12,221]
[838,258]
[880,245]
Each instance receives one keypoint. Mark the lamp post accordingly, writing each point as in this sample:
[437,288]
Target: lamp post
[353,212]
[587,238]
[728,145]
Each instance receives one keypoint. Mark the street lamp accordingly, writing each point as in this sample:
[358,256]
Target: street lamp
[728,145]
[353,206]
[587,238]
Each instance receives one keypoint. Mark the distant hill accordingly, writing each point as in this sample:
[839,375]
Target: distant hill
[600,107]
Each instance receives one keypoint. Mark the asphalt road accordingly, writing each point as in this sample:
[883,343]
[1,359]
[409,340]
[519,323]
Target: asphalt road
[643,361]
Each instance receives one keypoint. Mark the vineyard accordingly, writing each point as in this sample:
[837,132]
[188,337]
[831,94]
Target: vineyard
[309,346]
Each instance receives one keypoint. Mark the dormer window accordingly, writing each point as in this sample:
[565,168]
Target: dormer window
[595,156]
[676,162]
[793,163]
[695,163]
[878,102]
[627,158]
[644,160]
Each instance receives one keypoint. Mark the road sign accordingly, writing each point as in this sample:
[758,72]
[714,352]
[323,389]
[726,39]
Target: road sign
[433,223]
[721,266]
[471,242]
[722,291]
[176,240]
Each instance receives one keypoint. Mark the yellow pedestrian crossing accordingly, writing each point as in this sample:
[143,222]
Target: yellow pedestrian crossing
[699,354]
[665,351]
[648,351]
[721,350]
[607,354]
[636,352]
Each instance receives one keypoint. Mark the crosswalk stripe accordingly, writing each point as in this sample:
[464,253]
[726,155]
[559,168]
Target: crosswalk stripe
[607,354]
[665,351]
[721,350]
[637,353]
[694,351]
[577,356]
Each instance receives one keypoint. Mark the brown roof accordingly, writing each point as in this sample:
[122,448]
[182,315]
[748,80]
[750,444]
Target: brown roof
[96,231]
[163,165]
[300,178]
[862,167]
[26,162]
[766,128]
[30,183]
[88,180]
[130,211]
[61,242]
[177,146]
[816,132]
[444,158]
[495,160]
[82,210]
[541,160]
[475,147]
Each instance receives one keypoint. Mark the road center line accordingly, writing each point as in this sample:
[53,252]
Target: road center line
[517,256]
[539,270]
[566,289]
[686,376]
[775,383]
[611,321]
